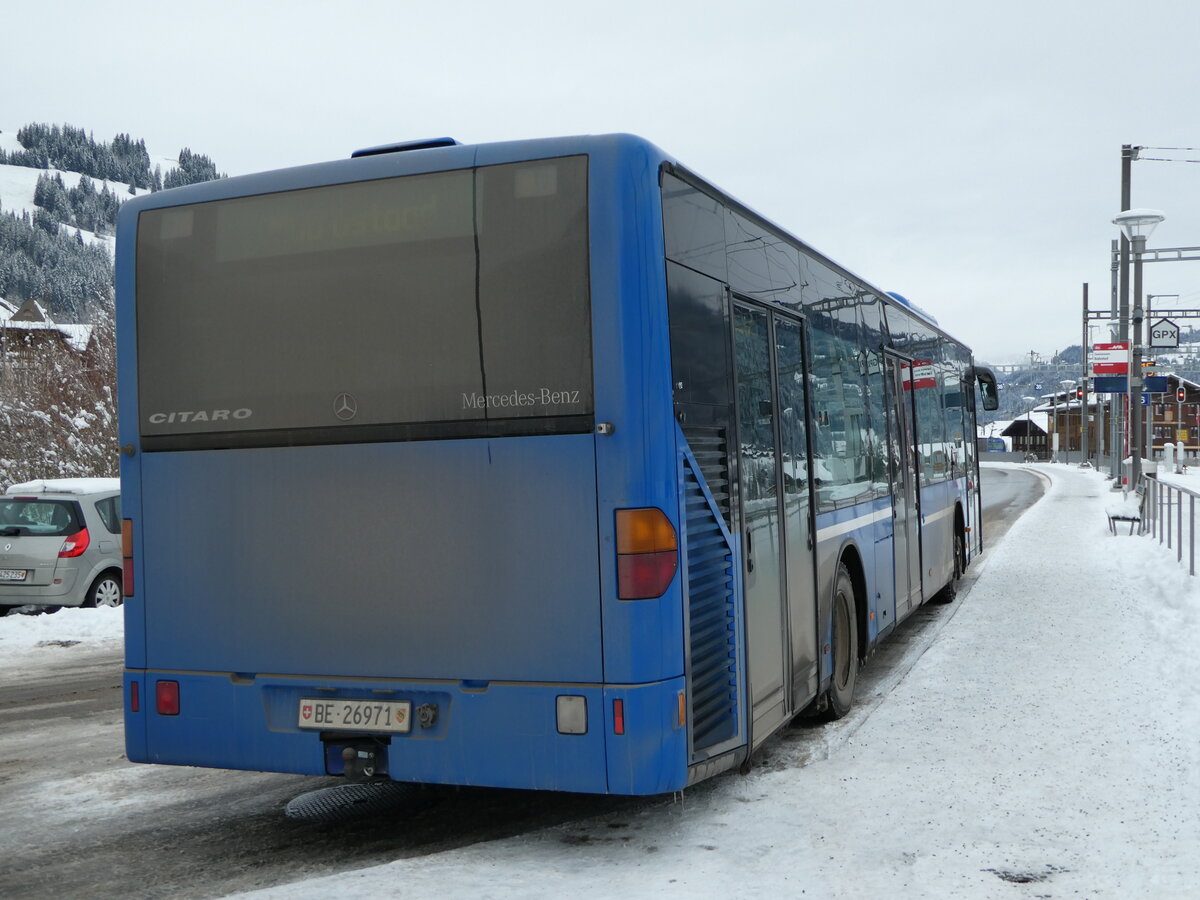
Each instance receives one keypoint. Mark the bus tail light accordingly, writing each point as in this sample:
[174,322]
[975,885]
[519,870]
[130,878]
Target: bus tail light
[647,553]
[75,545]
[127,557]
[166,698]
[618,717]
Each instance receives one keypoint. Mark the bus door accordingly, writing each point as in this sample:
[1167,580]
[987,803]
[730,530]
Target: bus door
[776,514]
[902,455]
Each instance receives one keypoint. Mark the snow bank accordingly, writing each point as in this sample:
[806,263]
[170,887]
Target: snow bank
[1044,745]
[38,640]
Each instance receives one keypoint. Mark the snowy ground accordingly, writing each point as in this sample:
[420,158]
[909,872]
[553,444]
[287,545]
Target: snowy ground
[1044,746]
[44,641]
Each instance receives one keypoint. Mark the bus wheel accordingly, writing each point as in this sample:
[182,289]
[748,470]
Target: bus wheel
[845,647]
[958,548]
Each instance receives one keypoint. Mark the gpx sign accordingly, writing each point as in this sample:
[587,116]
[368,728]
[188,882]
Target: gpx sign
[1164,333]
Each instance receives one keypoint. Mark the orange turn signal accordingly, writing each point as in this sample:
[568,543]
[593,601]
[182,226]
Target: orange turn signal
[644,531]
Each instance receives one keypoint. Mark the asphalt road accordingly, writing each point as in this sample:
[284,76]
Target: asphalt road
[76,819]
[1006,493]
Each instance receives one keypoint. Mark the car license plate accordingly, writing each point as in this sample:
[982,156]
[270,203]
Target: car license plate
[13,574]
[355,715]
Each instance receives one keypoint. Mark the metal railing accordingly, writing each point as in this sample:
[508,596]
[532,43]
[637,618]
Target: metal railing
[1167,512]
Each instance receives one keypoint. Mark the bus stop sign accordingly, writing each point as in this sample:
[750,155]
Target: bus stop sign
[1110,359]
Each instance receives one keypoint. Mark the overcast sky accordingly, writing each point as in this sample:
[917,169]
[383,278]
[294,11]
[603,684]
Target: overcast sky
[964,154]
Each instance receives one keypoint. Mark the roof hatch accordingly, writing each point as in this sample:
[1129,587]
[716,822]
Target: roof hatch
[401,147]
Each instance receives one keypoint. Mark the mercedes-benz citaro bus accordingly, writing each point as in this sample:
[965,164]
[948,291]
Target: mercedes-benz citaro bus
[538,464]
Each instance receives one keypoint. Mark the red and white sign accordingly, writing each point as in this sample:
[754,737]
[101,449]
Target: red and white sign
[924,374]
[1110,359]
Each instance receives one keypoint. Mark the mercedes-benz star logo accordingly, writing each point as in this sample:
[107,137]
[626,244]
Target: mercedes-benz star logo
[345,407]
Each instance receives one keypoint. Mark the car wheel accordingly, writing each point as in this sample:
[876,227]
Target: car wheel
[105,591]
[845,647]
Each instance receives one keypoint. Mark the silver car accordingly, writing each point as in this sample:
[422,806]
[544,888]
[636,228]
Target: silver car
[60,543]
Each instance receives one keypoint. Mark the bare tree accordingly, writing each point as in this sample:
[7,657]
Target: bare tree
[57,404]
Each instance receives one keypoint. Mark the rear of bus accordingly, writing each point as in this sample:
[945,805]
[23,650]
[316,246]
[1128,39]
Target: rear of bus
[396,439]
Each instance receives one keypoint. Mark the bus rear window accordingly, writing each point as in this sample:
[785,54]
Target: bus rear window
[452,304]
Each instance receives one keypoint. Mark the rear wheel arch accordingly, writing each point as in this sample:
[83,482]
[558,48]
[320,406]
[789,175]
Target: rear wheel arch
[845,643]
[962,559]
[852,561]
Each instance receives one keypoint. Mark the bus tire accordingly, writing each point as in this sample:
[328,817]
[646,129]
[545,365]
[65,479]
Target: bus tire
[958,550]
[840,696]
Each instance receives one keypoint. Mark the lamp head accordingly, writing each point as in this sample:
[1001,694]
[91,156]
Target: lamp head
[1137,224]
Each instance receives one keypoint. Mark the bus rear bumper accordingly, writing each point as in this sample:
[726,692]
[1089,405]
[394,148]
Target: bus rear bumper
[622,739]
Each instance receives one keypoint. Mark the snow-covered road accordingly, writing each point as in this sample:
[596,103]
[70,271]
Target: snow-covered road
[1046,745]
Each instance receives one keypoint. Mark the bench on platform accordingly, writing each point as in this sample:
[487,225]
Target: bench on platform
[1127,513]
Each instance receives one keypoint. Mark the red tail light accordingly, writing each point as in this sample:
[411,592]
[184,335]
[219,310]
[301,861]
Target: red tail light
[647,553]
[75,545]
[127,557]
[166,698]
[645,575]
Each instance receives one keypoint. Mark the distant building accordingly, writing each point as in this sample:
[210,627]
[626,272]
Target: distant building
[27,333]
[1173,417]
[1029,433]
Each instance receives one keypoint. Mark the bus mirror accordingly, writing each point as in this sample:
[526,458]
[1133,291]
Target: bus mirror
[987,387]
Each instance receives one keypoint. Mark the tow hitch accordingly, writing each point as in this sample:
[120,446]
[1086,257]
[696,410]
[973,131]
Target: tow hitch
[358,759]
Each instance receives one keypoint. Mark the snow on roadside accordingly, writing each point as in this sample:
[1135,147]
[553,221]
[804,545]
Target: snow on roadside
[38,640]
[1044,745]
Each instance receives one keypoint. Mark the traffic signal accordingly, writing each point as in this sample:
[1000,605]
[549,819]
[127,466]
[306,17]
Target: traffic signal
[1078,392]
[1180,393]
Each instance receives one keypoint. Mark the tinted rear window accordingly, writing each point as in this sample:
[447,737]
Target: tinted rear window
[448,304]
[41,518]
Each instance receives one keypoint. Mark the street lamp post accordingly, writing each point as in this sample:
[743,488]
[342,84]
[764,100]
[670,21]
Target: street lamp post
[1052,434]
[1149,318]
[1136,225]
[1068,386]
[1179,427]
[1029,424]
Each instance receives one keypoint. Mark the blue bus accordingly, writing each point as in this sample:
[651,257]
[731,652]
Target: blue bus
[540,464]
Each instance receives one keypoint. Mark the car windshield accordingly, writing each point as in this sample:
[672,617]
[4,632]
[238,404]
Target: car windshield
[34,516]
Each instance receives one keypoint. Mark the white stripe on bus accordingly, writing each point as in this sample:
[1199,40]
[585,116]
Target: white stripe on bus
[832,531]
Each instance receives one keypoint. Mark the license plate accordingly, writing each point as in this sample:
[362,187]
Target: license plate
[355,715]
[13,574]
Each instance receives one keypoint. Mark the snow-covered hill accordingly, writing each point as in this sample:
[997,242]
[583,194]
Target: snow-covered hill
[17,185]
